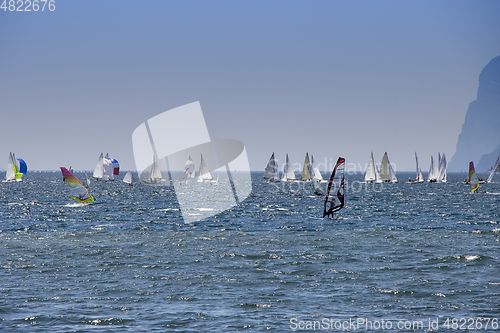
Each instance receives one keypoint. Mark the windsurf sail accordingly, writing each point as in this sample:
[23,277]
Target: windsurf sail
[77,191]
[334,200]
[473,179]
[306,174]
[271,171]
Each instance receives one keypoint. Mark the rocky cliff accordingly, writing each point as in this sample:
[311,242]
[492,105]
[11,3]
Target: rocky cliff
[480,137]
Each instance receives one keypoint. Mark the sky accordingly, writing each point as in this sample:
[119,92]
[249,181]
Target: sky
[332,78]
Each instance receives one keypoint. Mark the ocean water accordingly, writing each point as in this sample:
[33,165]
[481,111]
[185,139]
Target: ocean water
[404,254]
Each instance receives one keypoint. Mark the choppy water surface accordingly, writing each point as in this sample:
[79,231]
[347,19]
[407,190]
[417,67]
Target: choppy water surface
[397,252]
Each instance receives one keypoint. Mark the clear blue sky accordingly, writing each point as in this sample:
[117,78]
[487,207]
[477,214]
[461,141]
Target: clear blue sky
[327,77]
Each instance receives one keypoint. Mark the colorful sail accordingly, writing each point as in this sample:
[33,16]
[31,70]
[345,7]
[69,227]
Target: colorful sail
[116,167]
[334,199]
[77,191]
[473,179]
[23,167]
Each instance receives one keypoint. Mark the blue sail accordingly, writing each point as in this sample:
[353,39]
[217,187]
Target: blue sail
[23,167]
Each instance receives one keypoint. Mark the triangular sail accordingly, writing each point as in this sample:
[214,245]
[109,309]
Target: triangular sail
[442,169]
[473,179]
[334,199]
[77,191]
[387,173]
[496,168]
[372,173]
[189,169]
[204,172]
[99,168]
[10,175]
[315,174]
[433,171]
[306,175]
[288,174]
[317,188]
[128,178]
[271,171]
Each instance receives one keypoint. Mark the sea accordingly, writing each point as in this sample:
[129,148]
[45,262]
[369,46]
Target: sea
[398,257]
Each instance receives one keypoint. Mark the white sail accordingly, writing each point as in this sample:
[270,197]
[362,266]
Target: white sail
[204,173]
[315,174]
[433,171]
[128,178]
[108,168]
[316,187]
[288,174]
[387,173]
[11,172]
[189,168]
[496,168]
[372,174]
[306,175]
[271,171]
[420,178]
[99,168]
[442,169]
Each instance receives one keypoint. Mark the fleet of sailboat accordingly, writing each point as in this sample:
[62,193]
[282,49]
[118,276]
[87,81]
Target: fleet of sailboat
[437,171]
[106,168]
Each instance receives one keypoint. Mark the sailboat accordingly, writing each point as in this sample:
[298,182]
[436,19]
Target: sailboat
[288,174]
[128,178]
[204,173]
[189,169]
[387,174]
[494,169]
[306,175]
[104,168]
[317,189]
[315,174]
[433,171]
[77,191]
[372,174]
[271,172]
[442,169]
[419,178]
[13,174]
[473,180]
[152,174]
[334,200]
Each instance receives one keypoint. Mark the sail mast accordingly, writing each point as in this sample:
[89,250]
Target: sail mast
[335,202]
